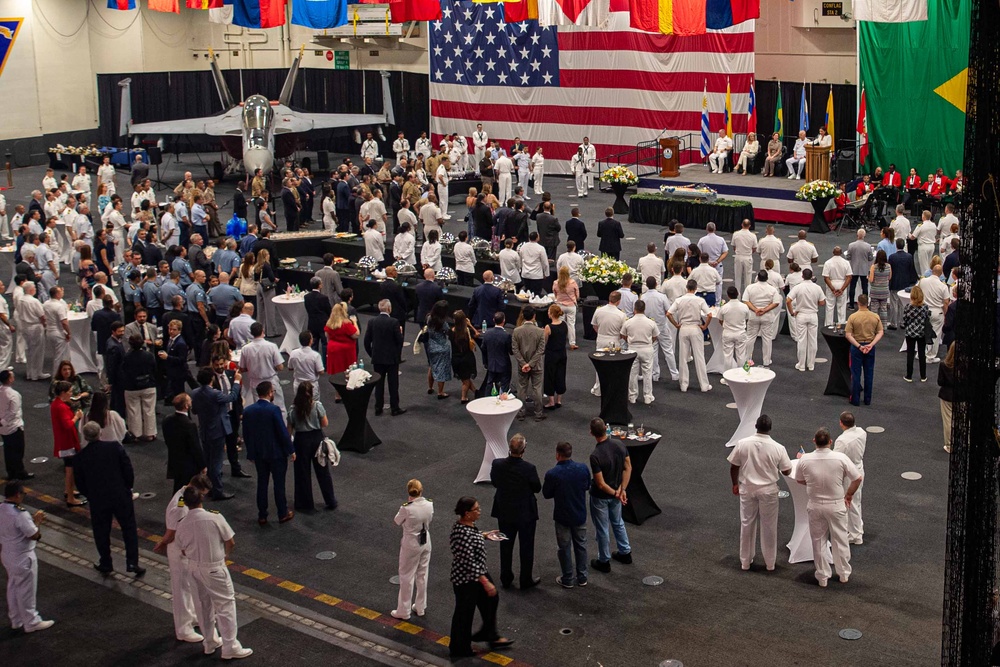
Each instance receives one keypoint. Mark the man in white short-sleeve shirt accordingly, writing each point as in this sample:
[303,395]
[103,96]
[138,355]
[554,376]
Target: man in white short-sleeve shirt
[717,249]
[803,303]
[261,360]
[744,246]
[852,443]
[937,298]
[763,299]
[641,333]
[837,278]
[607,323]
[690,315]
[770,247]
[831,481]
[734,316]
[802,252]
[755,464]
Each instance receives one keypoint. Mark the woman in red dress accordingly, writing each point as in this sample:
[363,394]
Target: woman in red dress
[341,334]
[65,438]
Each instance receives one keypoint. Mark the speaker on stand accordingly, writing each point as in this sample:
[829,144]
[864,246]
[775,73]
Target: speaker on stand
[845,166]
[155,156]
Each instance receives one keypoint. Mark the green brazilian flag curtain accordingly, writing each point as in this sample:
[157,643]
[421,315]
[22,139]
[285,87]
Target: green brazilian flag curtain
[915,78]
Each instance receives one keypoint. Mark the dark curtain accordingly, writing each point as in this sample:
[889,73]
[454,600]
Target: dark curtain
[844,110]
[158,96]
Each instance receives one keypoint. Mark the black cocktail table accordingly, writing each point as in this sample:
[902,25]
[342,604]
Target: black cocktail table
[613,370]
[358,434]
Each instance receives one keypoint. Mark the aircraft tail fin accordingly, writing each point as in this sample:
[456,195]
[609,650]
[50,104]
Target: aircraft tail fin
[125,110]
[390,117]
[293,73]
[225,97]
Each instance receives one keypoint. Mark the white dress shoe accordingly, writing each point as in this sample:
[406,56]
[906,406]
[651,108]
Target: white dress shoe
[41,625]
[237,654]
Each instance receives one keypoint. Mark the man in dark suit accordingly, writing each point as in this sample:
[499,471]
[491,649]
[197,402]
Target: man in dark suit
[290,206]
[516,511]
[101,321]
[240,201]
[384,344]
[318,310]
[486,300]
[174,355]
[175,311]
[140,171]
[114,355]
[391,289]
[212,408]
[104,474]
[224,380]
[150,252]
[497,349]
[395,195]
[548,230]
[342,189]
[185,458]
[576,231]
[307,193]
[611,234]
[428,293]
[269,447]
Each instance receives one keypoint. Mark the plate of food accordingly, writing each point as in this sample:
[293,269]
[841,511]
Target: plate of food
[344,235]
[288,261]
[599,354]
[341,260]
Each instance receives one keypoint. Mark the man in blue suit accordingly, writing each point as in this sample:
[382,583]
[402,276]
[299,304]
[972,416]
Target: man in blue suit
[269,447]
[174,354]
[212,408]
[487,299]
[497,349]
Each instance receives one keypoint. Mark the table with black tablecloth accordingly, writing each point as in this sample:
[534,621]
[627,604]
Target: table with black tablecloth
[839,381]
[640,505]
[301,246]
[613,370]
[660,211]
[358,435]
[588,310]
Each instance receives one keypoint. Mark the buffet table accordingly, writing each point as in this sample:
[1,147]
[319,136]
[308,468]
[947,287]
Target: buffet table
[302,244]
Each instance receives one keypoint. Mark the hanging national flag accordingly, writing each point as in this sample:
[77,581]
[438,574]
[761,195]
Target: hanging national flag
[319,15]
[259,13]
[516,12]
[879,11]
[779,116]
[171,6]
[593,13]
[862,128]
[121,5]
[729,111]
[828,121]
[652,15]
[223,15]
[204,4]
[416,10]
[721,14]
[752,111]
[804,110]
[706,142]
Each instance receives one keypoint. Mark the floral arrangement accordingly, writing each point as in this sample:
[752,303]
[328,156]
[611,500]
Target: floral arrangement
[725,203]
[75,150]
[814,190]
[605,270]
[620,175]
[699,189]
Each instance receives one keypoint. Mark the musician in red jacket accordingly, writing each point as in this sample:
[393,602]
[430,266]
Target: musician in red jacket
[958,184]
[938,183]
[913,180]
[892,178]
[865,187]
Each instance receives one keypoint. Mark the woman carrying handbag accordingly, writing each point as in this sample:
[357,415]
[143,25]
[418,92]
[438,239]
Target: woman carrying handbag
[306,421]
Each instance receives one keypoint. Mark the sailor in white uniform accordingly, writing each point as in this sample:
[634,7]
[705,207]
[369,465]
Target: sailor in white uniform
[18,534]
[414,517]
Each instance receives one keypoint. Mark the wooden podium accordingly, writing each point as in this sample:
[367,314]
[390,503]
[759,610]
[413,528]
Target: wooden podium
[817,163]
[669,156]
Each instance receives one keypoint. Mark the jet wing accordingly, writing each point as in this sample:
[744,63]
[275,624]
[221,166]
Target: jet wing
[225,124]
[287,120]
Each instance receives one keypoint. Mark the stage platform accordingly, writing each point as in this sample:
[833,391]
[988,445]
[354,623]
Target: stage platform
[773,198]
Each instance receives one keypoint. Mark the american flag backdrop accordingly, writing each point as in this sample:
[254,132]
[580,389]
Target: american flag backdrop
[552,86]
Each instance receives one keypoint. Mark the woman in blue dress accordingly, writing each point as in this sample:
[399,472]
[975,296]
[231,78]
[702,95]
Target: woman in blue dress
[438,346]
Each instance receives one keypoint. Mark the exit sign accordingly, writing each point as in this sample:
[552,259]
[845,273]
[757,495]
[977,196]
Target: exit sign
[833,9]
[341,60]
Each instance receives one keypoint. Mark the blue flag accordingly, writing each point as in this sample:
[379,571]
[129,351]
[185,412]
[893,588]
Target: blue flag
[804,111]
[319,14]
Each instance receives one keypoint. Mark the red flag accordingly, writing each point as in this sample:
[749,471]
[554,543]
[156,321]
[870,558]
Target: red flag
[165,6]
[862,129]
[204,4]
[415,10]
[752,110]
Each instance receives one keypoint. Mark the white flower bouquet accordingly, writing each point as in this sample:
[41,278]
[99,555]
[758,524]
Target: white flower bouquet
[607,271]
[814,190]
[620,175]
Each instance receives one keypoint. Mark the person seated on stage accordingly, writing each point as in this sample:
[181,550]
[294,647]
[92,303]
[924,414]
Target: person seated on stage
[717,158]
[749,153]
[842,200]
[773,155]
[938,183]
[797,163]
[865,187]
[958,184]
[892,178]
[823,140]
[877,175]
[913,180]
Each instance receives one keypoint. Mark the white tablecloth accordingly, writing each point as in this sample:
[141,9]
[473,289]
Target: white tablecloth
[82,352]
[292,311]
[748,390]
[800,545]
[716,364]
[494,420]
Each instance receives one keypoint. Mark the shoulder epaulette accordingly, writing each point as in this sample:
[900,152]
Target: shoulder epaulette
[214,511]
[180,502]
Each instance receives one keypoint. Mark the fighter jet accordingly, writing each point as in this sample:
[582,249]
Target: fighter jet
[257,130]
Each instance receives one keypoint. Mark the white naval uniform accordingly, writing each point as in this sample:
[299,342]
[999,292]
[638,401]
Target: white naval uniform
[201,537]
[852,443]
[181,587]
[20,345]
[826,475]
[30,316]
[523,161]
[538,171]
[369,149]
[935,293]
[6,336]
[657,305]
[480,141]
[56,339]
[503,168]
[17,552]
[590,162]
[608,321]
[734,315]
[926,236]
[802,253]
[838,270]
[715,246]
[770,247]
[441,179]
[306,365]
[260,358]
[689,311]
[717,158]
[760,460]
[422,147]
[401,147]
[761,295]
[414,558]
[578,165]
[641,333]
[806,299]
[744,246]
[4,223]
[106,175]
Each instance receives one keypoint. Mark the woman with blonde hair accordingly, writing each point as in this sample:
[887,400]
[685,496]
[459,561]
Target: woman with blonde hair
[414,517]
[263,274]
[489,198]
[556,333]
[246,282]
[567,294]
[749,153]
[916,319]
[341,334]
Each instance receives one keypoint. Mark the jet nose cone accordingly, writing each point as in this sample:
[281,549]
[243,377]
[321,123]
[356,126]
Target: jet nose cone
[257,158]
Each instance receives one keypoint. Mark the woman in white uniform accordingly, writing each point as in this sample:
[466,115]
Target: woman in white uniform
[414,516]
[538,169]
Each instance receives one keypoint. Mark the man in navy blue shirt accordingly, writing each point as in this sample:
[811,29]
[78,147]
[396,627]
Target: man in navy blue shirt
[567,484]
[269,447]
[486,300]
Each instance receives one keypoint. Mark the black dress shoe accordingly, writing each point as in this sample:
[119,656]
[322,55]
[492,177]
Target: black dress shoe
[503,642]
[624,559]
[241,474]
[223,496]
[525,585]
[401,411]
[103,570]
[137,570]
[600,565]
